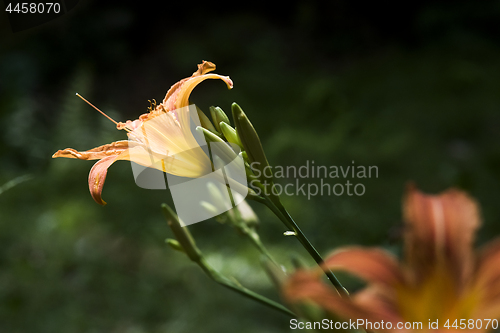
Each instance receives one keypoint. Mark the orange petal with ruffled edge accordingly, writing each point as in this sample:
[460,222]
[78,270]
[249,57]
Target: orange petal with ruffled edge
[178,95]
[107,154]
[440,232]
[371,264]
[97,176]
[112,149]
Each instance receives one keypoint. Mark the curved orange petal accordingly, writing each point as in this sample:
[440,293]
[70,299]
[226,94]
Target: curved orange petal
[97,176]
[114,148]
[440,231]
[178,95]
[107,154]
[371,264]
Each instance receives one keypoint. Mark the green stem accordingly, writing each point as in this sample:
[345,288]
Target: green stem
[217,277]
[283,215]
[187,245]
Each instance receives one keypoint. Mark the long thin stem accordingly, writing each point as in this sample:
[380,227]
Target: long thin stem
[186,244]
[283,215]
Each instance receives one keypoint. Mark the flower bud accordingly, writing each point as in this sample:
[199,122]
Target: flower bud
[218,116]
[221,148]
[247,214]
[230,134]
[182,234]
[253,147]
[216,196]
[205,122]
[211,209]
[174,244]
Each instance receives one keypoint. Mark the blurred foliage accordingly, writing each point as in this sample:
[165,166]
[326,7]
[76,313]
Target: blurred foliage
[415,94]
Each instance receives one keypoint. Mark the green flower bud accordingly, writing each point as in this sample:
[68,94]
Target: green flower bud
[249,138]
[174,244]
[209,207]
[205,122]
[218,116]
[182,234]
[222,149]
[230,134]
[216,195]
[247,214]
[253,149]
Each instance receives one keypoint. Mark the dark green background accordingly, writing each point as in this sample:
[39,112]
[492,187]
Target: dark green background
[411,88]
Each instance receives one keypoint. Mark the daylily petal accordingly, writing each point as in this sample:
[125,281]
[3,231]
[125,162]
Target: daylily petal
[114,148]
[181,164]
[436,298]
[178,95]
[380,301]
[142,156]
[488,272]
[440,231]
[307,286]
[107,154]
[169,145]
[488,277]
[371,264]
[97,176]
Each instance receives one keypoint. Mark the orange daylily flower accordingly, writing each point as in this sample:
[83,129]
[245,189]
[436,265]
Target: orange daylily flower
[441,277]
[168,138]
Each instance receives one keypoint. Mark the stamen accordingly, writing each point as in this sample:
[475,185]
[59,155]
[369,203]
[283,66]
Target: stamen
[152,105]
[105,115]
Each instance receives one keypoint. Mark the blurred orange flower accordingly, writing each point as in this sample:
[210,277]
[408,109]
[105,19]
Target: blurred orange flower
[441,277]
[168,137]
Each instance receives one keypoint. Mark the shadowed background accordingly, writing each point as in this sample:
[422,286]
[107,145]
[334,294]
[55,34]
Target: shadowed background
[414,93]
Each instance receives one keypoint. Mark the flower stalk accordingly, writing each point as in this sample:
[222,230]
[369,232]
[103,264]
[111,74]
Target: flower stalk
[186,242]
[288,221]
